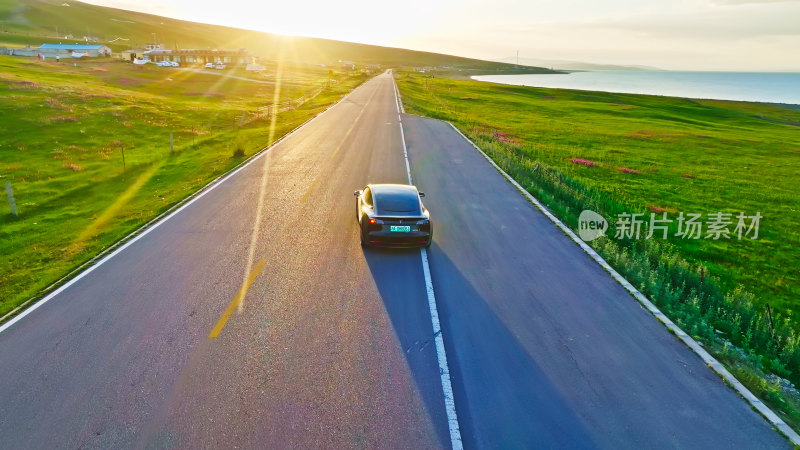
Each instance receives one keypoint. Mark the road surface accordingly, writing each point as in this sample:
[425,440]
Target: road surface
[252,318]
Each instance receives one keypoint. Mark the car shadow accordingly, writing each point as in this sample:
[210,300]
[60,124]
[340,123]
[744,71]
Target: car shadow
[398,276]
[503,399]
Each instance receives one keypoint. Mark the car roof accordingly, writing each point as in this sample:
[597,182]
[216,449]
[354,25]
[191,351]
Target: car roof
[396,199]
[393,189]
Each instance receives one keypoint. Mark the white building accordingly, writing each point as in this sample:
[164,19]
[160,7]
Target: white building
[91,50]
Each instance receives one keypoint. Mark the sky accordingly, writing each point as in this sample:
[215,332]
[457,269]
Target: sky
[737,35]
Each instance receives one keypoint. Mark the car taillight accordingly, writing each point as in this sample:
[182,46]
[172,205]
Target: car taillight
[372,221]
[425,226]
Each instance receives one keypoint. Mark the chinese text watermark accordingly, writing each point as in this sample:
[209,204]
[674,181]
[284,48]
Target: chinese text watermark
[717,225]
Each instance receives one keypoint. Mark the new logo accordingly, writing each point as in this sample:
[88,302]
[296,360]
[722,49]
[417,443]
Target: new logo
[591,225]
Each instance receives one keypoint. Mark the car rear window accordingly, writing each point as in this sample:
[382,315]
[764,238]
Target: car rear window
[393,203]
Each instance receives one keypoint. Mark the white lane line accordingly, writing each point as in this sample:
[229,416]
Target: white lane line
[405,154]
[400,108]
[444,370]
[158,221]
[441,356]
[710,361]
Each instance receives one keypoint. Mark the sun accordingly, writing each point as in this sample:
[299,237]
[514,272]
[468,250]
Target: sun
[361,21]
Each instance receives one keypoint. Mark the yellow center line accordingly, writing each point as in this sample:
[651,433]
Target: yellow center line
[355,122]
[338,147]
[308,192]
[349,130]
[236,300]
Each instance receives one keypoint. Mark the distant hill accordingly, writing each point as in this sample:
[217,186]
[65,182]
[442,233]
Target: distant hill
[559,64]
[36,21]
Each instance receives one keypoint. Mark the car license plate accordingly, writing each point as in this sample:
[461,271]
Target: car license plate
[400,228]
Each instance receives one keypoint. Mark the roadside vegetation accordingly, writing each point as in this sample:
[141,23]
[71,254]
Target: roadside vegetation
[624,153]
[66,129]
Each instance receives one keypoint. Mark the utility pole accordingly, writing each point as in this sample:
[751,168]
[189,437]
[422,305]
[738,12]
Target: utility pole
[122,149]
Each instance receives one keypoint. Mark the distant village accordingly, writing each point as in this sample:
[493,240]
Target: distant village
[156,53]
[152,53]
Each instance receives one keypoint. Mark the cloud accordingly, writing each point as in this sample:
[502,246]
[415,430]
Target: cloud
[717,23]
[699,37]
[714,23]
[751,2]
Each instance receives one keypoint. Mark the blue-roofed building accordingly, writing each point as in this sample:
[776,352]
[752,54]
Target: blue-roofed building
[66,50]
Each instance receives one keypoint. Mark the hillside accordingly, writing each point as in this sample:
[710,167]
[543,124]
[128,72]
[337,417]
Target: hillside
[35,21]
[560,64]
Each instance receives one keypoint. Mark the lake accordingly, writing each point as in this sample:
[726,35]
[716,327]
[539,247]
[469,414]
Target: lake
[747,86]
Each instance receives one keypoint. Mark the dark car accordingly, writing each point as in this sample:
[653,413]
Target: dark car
[392,215]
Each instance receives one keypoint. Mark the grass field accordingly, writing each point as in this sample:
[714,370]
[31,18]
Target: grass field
[624,153]
[692,156]
[65,130]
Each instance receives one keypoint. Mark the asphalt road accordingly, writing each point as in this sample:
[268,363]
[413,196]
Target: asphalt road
[331,346]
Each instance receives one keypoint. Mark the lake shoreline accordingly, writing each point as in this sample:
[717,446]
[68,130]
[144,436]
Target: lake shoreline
[773,88]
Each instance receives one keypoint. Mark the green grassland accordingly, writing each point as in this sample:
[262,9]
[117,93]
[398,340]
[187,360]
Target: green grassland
[661,154]
[65,129]
[692,156]
[32,22]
